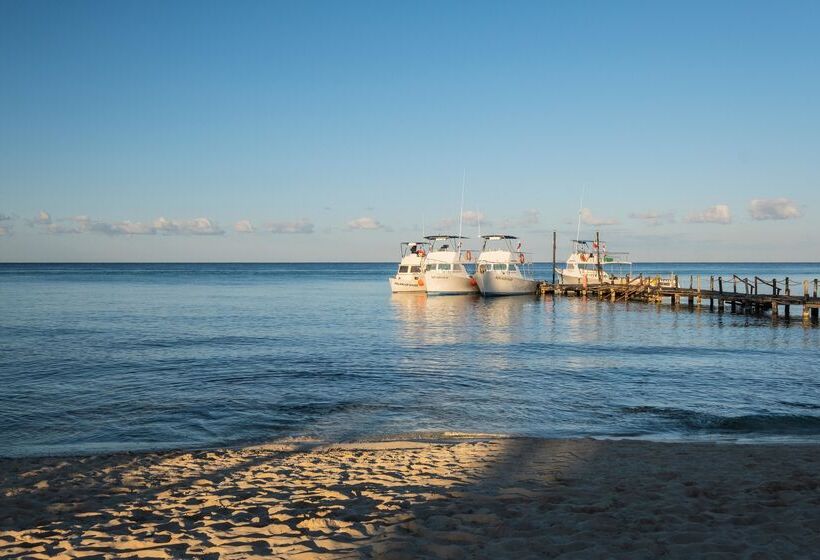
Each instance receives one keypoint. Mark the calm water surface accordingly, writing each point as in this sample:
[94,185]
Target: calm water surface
[111,357]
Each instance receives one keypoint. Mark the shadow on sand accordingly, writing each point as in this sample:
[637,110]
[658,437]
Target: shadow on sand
[435,497]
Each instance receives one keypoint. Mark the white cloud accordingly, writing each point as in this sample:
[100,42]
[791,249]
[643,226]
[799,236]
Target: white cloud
[65,228]
[773,209]
[42,218]
[653,218]
[718,214]
[473,218]
[243,226]
[526,219]
[590,220]
[469,218]
[5,230]
[300,226]
[123,228]
[197,226]
[365,223]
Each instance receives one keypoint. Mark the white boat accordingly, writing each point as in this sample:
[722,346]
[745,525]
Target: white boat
[502,270]
[410,275]
[590,265]
[444,271]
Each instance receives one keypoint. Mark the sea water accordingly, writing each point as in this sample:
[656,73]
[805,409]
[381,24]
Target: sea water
[134,356]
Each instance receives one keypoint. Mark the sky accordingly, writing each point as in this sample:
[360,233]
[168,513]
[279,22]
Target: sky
[332,131]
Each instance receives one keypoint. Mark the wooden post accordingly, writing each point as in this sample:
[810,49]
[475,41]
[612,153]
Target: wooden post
[598,250]
[805,300]
[774,309]
[787,307]
[734,298]
[700,297]
[711,292]
[554,242]
[720,296]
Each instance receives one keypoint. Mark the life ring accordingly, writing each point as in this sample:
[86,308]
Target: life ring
[468,255]
[521,258]
[421,282]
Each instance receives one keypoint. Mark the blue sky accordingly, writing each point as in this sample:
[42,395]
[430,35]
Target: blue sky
[265,131]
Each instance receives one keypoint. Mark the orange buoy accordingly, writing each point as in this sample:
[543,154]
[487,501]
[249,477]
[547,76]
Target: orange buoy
[421,282]
[473,282]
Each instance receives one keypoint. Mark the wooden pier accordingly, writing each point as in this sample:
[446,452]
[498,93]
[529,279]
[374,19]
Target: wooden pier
[740,295]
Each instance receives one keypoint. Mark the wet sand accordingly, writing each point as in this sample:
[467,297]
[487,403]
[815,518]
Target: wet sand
[443,497]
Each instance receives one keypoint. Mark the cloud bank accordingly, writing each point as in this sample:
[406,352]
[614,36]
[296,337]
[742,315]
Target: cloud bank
[718,214]
[164,226]
[773,209]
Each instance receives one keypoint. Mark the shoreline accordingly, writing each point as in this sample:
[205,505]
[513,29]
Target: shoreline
[443,495]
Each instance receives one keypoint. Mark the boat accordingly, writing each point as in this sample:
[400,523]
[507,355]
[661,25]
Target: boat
[590,264]
[445,272]
[410,274]
[502,270]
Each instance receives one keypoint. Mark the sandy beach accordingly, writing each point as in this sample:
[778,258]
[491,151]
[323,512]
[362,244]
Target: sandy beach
[439,497]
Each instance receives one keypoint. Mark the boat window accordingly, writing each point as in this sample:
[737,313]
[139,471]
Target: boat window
[430,267]
[444,267]
[415,269]
[402,269]
[513,268]
[499,267]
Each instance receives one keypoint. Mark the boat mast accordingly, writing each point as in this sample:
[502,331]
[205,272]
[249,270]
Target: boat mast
[580,211]
[461,211]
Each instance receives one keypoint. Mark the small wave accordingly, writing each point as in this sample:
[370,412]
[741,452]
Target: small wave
[747,423]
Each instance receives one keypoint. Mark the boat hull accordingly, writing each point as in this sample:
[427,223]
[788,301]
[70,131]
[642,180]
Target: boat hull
[406,283]
[493,283]
[449,284]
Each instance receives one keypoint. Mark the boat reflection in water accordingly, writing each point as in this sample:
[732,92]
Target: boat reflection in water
[501,319]
[436,320]
[459,318]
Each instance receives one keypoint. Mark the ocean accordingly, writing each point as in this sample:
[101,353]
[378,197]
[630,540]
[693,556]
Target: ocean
[111,357]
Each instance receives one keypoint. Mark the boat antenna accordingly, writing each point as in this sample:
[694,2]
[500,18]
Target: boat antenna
[580,211]
[461,210]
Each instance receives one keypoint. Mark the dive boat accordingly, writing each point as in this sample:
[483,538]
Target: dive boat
[410,275]
[590,265]
[502,270]
[444,270]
